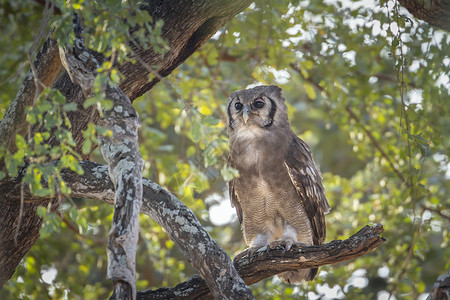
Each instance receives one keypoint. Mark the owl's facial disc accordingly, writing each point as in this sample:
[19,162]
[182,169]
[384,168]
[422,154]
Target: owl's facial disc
[252,109]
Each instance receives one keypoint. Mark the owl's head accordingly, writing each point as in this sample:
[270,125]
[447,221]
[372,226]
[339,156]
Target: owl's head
[259,107]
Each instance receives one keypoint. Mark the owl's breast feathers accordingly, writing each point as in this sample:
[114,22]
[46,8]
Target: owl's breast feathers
[264,157]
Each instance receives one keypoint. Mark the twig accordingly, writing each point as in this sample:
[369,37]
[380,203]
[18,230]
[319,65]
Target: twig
[376,144]
[406,130]
[74,229]
[437,211]
[357,120]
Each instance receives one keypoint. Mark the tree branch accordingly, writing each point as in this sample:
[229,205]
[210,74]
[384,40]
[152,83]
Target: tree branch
[376,145]
[206,256]
[121,152]
[200,19]
[47,68]
[265,264]
[434,12]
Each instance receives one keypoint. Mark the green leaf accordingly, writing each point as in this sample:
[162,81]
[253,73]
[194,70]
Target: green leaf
[43,192]
[229,173]
[41,211]
[310,91]
[196,131]
[87,146]
[307,64]
[210,120]
[70,107]
[115,76]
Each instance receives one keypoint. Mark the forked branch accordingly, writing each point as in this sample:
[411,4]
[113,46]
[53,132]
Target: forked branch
[205,255]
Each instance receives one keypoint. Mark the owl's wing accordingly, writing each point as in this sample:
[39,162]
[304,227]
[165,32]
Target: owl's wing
[235,202]
[306,178]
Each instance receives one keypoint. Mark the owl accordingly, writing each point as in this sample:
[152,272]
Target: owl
[278,196]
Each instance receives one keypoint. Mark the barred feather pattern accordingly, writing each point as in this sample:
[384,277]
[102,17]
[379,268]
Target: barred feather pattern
[279,194]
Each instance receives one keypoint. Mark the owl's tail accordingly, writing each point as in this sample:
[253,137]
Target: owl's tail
[297,276]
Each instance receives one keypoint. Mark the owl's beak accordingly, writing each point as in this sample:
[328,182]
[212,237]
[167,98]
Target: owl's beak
[245,114]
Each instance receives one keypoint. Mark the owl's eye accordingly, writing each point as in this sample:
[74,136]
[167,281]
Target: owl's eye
[238,105]
[259,103]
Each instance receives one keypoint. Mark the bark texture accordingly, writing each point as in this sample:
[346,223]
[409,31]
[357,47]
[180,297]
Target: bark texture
[188,25]
[47,67]
[121,151]
[441,288]
[434,12]
[177,219]
[206,256]
[264,264]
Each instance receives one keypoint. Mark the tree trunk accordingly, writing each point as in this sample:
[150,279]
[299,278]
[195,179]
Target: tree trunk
[434,12]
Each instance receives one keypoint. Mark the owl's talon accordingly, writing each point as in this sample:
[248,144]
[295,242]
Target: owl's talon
[287,247]
[251,251]
[275,244]
[238,257]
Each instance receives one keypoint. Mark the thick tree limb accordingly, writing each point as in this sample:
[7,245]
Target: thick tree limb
[121,152]
[47,67]
[209,259]
[179,221]
[43,73]
[262,264]
[196,244]
[187,26]
[10,252]
[434,12]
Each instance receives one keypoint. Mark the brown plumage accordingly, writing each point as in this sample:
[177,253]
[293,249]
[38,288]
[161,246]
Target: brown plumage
[278,196]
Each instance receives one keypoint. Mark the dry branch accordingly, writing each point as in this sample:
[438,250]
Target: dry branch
[264,264]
